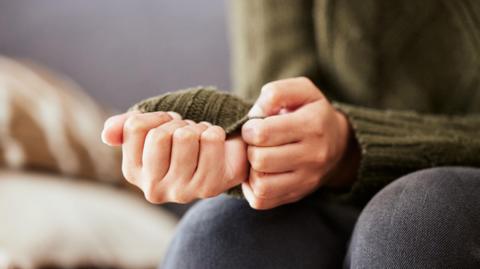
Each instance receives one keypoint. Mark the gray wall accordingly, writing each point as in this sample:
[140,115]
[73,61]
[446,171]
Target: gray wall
[121,51]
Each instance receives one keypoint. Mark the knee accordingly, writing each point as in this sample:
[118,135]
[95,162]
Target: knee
[421,215]
[212,231]
[440,190]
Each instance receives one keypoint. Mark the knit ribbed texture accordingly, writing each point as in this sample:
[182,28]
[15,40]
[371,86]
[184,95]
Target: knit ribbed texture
[201,104]
[402,55]
[395,143]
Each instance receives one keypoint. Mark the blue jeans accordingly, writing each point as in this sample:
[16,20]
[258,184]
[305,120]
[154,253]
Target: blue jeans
[428,219]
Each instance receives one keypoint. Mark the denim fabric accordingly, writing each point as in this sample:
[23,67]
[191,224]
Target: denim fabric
[428,219]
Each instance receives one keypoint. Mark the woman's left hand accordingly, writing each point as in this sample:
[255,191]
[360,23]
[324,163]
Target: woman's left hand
[302,144]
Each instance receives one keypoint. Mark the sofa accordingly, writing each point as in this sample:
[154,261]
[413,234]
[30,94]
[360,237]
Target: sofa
[65,66]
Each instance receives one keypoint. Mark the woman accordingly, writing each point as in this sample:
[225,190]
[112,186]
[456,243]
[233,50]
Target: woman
[415,149]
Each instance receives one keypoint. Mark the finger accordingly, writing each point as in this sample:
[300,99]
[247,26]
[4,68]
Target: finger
[185,148]
[210,170]
[206,123]
[236,162]
[112,132]
[158,145]
[277,159]
[269,186]
[190,122]
[274,130]
[174,115]
[135,130]
[285,94]
[156,154]
[264,204]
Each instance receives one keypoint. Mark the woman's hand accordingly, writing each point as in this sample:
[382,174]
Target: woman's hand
[175,160]
[300,146]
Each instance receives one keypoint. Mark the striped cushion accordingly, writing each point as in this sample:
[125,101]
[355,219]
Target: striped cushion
[47,122]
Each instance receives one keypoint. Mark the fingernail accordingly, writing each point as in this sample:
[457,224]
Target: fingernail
[175,115]
[256,111]
[190,122]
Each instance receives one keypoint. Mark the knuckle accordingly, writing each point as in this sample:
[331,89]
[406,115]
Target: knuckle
[184,134]
[135,124]
[173,125]
[271,91]
[151,194]
[269,87]
[199,128]
[214,134]
[158,135]
[305,80]
[162,114]
[174,115]
[153,198]
[180,198]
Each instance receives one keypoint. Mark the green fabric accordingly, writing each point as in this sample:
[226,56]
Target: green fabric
[395,143]
[406,74]
[201,104]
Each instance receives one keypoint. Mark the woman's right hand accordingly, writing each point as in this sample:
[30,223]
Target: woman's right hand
[175,160]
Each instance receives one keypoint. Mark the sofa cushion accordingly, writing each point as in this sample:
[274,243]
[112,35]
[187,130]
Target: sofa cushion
[47,122]
[56,221]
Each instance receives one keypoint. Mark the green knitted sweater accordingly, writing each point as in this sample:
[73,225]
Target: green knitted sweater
[406,74]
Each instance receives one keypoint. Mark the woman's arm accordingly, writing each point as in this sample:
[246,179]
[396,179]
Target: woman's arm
[395,143]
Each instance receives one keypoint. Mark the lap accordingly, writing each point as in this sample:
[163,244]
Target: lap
[414,219]
[225,232]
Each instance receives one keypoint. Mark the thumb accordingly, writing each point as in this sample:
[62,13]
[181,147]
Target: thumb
[112,133]
[285,94]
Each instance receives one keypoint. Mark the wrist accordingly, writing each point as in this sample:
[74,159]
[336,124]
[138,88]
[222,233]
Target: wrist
[344,174]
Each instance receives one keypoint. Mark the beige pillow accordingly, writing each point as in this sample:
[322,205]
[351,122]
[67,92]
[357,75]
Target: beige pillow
[47,220]
[47,122]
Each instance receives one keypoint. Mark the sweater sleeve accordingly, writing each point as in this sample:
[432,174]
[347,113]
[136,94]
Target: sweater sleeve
[202,104]
[271,40]
[395,143]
